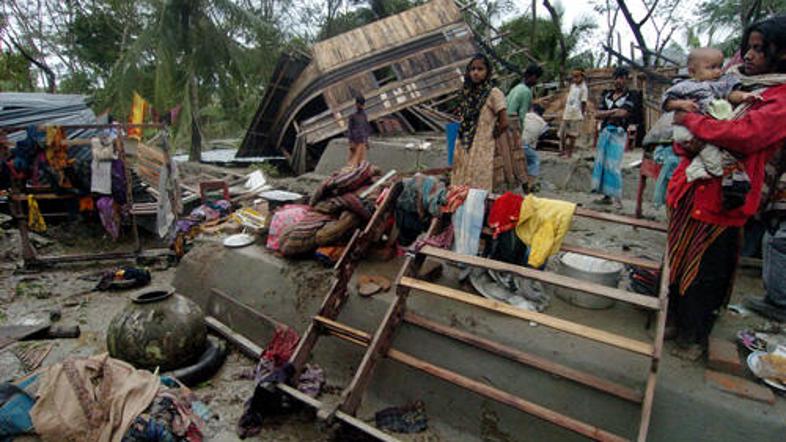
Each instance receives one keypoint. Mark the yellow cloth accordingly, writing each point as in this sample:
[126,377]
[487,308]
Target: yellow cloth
[34,218]
[92,399]
[138,107]
[543,224]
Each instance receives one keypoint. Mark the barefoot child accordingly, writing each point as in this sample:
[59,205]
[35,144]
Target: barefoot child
[712,93]
[358,133]
[573,115]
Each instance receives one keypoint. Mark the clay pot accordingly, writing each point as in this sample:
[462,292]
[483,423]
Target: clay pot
[159,328]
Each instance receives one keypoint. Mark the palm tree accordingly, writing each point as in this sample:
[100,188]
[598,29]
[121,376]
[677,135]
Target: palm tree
[195,53]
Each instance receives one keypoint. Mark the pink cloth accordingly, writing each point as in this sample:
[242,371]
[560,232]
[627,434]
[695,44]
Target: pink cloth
[284,217]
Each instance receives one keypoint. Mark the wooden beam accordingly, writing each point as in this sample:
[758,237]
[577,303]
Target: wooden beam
[254,351]
[573,328]
[620,219]
[377,348]
[521,357]
[618,257]
[247,309]
[506,398]
[361,338]
[660,330]
[245,345]
[546,277]
[347,419]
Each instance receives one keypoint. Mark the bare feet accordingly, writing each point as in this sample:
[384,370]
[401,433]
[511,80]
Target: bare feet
[691,353]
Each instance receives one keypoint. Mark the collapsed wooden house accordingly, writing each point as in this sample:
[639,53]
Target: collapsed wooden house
[400,64]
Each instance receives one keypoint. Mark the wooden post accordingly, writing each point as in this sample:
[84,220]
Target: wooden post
[383,338]
[28,251]
[660,330]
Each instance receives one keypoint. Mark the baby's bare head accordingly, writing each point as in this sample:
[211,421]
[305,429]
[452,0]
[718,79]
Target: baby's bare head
[705,64]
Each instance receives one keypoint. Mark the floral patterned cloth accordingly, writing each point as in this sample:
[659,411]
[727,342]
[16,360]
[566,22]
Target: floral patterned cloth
[286,216]
[474,167]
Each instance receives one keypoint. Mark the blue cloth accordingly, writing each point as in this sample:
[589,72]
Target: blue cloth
[665,156]
[26,149]
[533,160]
[468,223]
[451,130]
[15,412]
[607,173]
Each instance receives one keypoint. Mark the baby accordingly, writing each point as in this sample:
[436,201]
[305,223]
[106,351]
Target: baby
[712,93]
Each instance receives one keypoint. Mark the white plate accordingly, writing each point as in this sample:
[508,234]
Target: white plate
[754,363]
[239,240]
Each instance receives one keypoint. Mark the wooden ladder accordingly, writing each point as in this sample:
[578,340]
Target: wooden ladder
[379,344]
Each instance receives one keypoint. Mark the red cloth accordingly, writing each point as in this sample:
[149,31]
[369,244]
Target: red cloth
[756,136]
[504,214]
[282,346]
[455,198]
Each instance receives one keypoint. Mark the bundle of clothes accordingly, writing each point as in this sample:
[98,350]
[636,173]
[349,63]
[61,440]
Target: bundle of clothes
[101,399]
[93,172]
[274,368]
[334,211]
[525,230]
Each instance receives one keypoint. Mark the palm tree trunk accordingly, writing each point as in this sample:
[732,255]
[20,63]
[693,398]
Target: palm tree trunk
[195,154]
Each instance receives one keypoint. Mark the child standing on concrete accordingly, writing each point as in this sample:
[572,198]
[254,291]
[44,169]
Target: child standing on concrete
[358,133]
[573,115]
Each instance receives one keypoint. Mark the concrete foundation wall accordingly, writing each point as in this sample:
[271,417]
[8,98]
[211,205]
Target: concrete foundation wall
[291,291]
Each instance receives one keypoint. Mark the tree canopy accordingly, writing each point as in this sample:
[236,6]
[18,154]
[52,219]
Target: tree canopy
[212,58]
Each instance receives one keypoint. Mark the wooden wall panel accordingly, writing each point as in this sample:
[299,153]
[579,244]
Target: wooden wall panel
[388,99]
[347,90]
[385,33]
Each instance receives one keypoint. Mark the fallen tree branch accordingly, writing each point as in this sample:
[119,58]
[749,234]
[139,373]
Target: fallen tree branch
[647,71]
[50,75]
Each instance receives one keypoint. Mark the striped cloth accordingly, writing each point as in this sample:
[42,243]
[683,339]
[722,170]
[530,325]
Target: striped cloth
[688,240]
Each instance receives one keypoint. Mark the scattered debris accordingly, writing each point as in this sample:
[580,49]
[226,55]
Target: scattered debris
[32,356]
[739,387]
[32,288]
[124,278]
[368,285]
[410,418]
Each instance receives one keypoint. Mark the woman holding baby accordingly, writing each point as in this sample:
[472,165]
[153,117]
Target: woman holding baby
[707,208]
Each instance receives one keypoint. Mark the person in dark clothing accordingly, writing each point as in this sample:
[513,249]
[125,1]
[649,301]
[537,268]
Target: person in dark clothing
[358,133]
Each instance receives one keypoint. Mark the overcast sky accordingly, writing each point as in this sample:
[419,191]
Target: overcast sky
[575,9]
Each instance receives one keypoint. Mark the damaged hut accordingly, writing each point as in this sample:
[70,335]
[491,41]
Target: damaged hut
[400,64]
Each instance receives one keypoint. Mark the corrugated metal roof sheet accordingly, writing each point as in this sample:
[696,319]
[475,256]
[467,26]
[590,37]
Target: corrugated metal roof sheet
[22,109]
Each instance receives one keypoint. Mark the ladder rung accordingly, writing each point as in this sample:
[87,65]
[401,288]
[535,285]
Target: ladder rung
[546,277]
[584,331]
[529,359]
[362,338]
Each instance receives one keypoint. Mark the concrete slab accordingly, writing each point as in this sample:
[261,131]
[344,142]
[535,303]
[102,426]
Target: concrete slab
[291,291]
[388,153]
[557,174]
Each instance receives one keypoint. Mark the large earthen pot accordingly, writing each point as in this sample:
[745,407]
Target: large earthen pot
[158,329]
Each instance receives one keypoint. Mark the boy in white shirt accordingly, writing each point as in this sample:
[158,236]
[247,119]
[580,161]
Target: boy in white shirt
[573,115]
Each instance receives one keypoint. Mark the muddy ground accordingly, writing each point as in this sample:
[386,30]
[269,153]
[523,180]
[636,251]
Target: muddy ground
[67,291]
